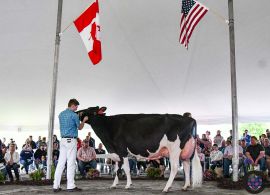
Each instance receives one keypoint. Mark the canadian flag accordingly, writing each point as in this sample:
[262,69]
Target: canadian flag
[88,26]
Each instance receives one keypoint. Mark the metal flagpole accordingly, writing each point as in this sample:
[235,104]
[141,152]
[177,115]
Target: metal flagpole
[235,160]
[54,84]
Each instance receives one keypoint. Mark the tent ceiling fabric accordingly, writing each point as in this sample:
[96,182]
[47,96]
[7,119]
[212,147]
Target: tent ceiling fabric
[144,68]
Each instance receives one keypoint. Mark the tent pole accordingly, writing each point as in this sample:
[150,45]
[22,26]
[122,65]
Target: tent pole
[235,160]
[53,94]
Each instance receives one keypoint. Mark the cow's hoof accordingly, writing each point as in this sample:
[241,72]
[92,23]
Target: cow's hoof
[127,187]
[185,188]
[113,187]
[165,191]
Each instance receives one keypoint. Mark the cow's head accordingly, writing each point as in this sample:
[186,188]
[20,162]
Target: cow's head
[91,112]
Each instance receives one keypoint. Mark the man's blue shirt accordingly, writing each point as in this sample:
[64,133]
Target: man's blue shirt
[69,123]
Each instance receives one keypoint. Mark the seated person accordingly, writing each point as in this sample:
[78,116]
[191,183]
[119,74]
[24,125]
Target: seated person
[2,162]
[216,157]
[227,158]
[101,161]
[26,158]
[201,156]
[267,154]
[132,164]
[87,158]
[255,154]
[43,164]
[56,153]
[12,162]
[38,155]
[158,163]
[141,165]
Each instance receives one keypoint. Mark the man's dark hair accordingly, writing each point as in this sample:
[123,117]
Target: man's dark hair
[73,102]
[215,145]
[254,137]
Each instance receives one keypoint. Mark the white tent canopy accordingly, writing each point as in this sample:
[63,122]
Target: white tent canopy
[144,68]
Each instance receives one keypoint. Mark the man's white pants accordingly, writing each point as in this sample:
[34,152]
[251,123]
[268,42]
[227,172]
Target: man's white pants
[68,151]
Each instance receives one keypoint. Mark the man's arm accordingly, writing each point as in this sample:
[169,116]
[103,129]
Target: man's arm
[241,154]
[83,122]
[79,155]
[261,155]
[249,157]
[94,154]
[16,158]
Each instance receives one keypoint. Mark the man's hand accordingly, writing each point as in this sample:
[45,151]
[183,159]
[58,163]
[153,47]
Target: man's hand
[85,119]
[82,123]
[230,157]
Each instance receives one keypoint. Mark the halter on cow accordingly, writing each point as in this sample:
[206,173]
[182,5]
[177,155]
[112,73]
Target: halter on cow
[149,136]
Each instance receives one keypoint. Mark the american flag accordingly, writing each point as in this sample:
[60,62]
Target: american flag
[192,13]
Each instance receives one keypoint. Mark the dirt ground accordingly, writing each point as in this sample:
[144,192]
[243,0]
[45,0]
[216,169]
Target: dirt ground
[139,187]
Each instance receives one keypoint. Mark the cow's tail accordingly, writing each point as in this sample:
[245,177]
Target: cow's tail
[197,173]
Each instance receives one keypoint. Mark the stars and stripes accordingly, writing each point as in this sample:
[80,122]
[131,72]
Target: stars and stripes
[192,13]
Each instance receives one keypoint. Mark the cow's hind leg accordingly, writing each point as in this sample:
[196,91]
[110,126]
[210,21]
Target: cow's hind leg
[188,149]
[127,171]
[116,180]
[174,151]
[186,164]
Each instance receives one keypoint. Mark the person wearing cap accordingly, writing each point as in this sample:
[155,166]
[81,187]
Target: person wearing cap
[87,158]
[69,125]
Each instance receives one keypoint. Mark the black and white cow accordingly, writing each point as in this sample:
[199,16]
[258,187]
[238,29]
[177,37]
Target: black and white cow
[150,136]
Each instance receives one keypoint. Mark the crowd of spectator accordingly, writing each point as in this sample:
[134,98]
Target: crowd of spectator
[33,155]
[216,152]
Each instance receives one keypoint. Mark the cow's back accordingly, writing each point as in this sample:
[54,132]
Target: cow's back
[141,133]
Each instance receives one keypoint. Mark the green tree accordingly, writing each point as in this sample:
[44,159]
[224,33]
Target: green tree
[254,129]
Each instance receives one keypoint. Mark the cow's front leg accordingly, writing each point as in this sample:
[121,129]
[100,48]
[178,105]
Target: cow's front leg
[127,171]
[186,164]
[116,180]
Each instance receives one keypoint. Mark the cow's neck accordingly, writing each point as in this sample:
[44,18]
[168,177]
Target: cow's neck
[100,126]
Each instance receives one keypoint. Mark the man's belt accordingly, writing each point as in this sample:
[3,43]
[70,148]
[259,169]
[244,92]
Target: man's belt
[69,137]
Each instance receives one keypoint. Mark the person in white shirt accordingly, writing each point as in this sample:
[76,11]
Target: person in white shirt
[12,162]
[228,155]
[216,157]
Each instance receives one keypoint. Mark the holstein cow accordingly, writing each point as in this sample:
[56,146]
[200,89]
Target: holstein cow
[150,136]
